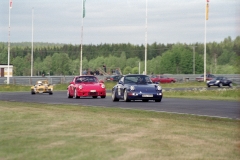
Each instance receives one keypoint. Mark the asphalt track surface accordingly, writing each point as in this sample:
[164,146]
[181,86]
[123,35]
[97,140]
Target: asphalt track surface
[212,108]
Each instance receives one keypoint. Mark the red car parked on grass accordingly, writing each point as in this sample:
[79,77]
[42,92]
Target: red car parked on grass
[86,86]
[162,79]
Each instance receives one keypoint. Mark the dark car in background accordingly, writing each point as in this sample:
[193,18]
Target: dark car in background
[208,77]
[219,81]
[114,77]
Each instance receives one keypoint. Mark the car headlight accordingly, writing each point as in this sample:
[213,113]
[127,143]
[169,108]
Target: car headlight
[132,88]
[103,86]
[159,88]
[80,87]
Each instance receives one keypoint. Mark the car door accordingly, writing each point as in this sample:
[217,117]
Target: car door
[224,81]
[162,79]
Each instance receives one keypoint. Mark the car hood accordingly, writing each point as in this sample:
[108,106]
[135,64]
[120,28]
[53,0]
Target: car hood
[148,88]
[91,85]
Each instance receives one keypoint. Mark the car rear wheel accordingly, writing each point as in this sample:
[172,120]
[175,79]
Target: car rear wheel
[220,85]
[126,96]
[230,85]
[114,99]
[68,95]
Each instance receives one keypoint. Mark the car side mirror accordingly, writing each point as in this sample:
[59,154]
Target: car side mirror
[120,82]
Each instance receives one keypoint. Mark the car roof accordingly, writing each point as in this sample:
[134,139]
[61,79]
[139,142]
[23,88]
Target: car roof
[131,75]
[85,76]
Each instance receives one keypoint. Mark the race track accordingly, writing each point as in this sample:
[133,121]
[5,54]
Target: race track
[225,109]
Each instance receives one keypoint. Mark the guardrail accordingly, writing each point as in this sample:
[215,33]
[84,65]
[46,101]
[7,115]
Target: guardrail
[27,80]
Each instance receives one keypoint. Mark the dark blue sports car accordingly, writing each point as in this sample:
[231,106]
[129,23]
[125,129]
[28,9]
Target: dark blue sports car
[219,81]
[137,87]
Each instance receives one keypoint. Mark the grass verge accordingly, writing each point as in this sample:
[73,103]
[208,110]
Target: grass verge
[231,94]
[43,131]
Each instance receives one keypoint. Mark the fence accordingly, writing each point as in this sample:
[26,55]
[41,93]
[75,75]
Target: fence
[27,80]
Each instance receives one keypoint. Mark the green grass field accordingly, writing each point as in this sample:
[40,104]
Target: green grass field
[44,131]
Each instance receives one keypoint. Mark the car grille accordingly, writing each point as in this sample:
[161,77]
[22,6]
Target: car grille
[92,93]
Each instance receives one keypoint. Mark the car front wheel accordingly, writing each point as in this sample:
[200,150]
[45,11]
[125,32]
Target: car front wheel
[32,92]
[158,100]
[114,99]
[126,96]
[75,94]
[220,85]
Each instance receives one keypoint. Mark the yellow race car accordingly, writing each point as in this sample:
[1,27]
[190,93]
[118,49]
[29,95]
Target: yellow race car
[42,86]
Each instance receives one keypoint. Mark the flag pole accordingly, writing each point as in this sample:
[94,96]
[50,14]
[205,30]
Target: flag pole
[32,45]
[145,72]
[83,14]
[10,6]
[205,35]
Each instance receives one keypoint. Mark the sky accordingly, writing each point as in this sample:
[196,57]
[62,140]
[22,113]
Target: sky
[119,21]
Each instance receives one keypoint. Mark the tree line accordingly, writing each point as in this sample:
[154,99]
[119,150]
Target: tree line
[179,58]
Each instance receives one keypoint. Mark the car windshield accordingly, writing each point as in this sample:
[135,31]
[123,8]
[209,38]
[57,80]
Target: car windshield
[137,79]
[86,79]
[218,78]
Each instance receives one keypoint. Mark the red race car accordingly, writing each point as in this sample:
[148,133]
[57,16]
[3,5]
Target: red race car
[162,79]
[86,86]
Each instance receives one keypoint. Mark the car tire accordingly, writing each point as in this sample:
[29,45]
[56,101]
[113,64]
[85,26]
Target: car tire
[220,85]
[125,96]
[75,94]
[68,95]
[230,85]
[114,99]
[208,86]
[158,100]
[33,92]
[50,93]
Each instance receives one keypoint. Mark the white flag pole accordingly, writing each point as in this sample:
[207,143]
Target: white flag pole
[145,72]
[80,71]
[32,45]
[205,35]
[10,6]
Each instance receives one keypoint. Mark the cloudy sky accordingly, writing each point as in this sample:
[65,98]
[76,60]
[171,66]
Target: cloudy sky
[119,21]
